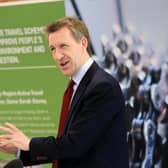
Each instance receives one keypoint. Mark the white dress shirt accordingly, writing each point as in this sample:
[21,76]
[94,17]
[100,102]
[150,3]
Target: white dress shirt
[80,74]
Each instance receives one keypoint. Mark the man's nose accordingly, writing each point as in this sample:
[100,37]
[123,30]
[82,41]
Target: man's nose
[58,56]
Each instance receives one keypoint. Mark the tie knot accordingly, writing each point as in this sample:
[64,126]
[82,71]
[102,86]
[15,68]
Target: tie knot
[71,83]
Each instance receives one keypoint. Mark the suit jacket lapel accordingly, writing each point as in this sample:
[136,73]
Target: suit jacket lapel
[80,90]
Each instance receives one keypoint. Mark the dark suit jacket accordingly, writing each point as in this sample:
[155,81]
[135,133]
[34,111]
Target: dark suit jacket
[94,134]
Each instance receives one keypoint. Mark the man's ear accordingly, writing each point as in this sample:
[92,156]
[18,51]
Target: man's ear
[84,42]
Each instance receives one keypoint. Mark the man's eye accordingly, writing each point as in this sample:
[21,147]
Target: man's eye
[63,46]
[52,49]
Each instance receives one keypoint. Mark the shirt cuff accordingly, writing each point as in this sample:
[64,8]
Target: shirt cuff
[17,154]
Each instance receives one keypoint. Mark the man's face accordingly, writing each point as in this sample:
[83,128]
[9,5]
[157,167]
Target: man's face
[68,54]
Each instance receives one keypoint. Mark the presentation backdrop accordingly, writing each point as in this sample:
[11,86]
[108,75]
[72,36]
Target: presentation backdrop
[31,85]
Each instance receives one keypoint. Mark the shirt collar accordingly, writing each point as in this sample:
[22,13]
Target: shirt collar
[77,77]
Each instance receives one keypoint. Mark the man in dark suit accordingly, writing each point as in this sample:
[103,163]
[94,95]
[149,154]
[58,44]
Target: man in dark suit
[94,133]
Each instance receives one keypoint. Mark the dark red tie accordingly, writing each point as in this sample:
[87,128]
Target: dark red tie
[64,111]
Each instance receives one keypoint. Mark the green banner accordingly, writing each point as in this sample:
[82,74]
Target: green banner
[31,85]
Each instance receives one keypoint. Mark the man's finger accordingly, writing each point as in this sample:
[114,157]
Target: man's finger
[5,137]
[11,126]
[6,130]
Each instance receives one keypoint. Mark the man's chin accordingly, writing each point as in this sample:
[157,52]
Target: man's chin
[66,73]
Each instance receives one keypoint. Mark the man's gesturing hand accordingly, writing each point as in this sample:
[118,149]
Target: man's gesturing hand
[13,139]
